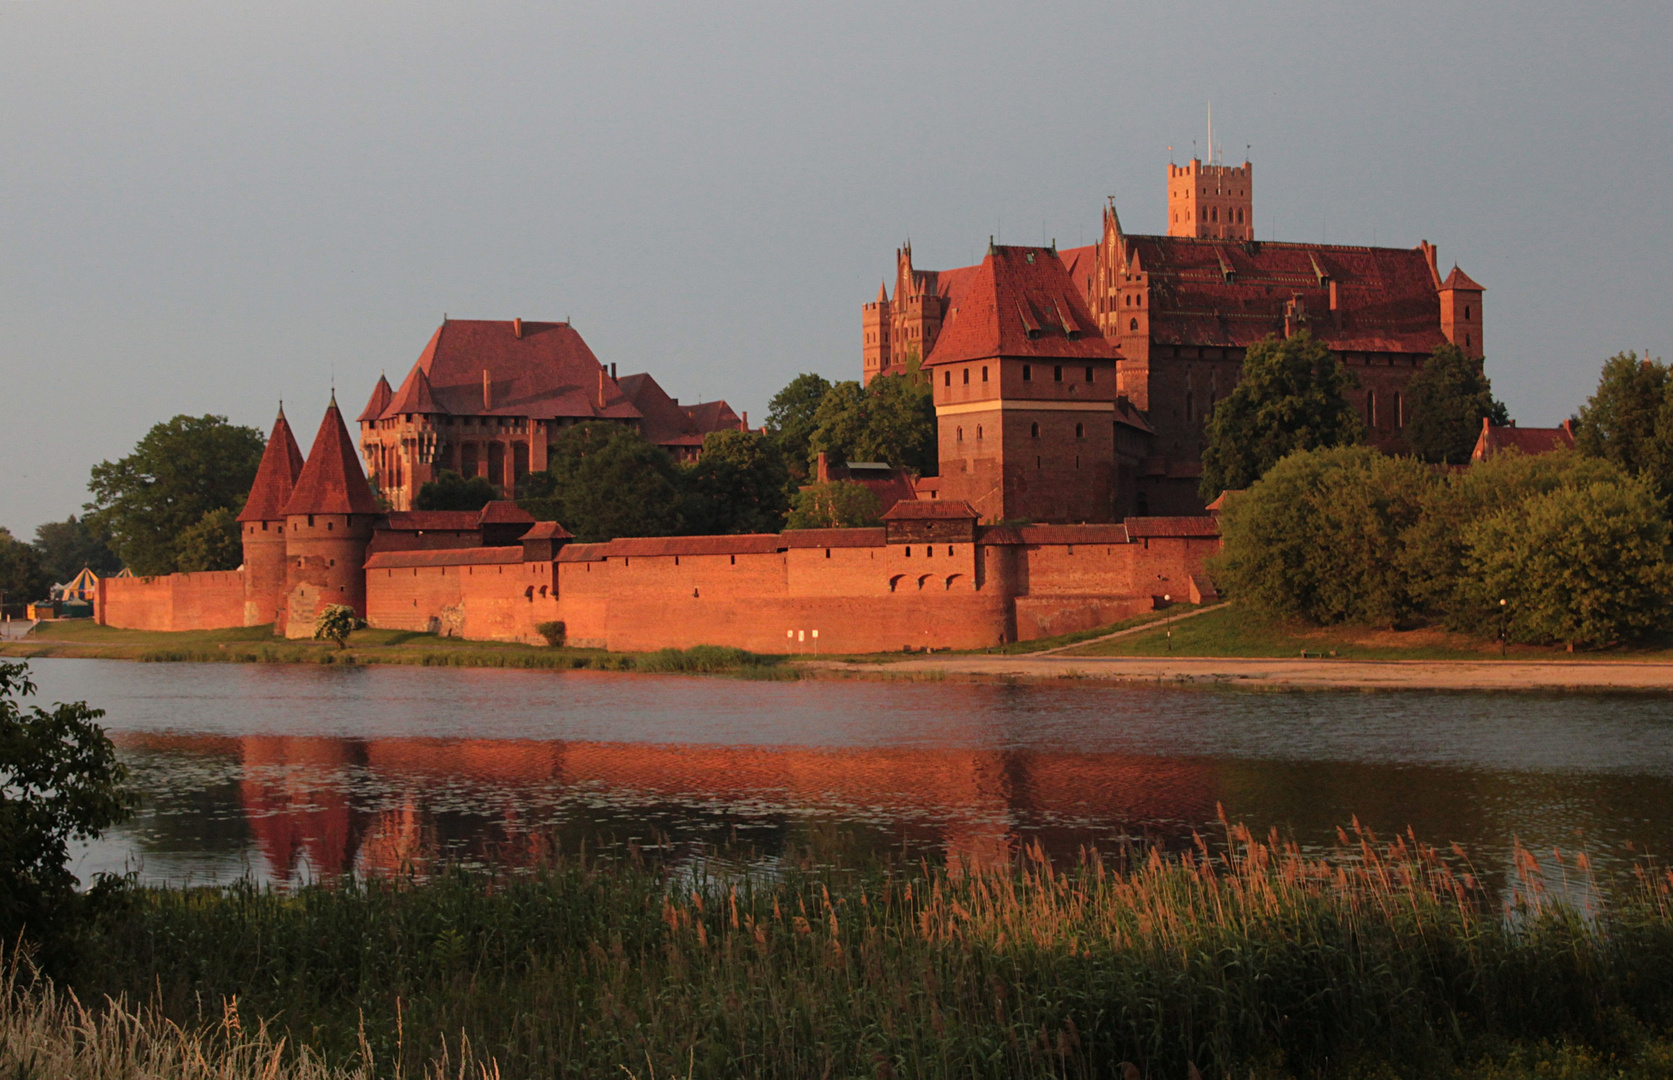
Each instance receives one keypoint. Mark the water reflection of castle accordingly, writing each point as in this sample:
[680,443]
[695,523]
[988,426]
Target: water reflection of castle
[326,805]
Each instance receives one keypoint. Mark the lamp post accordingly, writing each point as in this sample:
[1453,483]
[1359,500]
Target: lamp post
[1504,626]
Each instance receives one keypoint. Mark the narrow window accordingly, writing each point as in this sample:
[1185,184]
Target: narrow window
[949,549]
[978,433]
[734,559]
[1057,373]
[1028,373]
[947,378]
[1466,313]
[1034,430]
[1088,374]
[1036,463]
[967,376]
[960,436]
[827,553]
[1133,324]
[1399,411]
[1371,407]
[1080,431]
[908,553]
[984,373]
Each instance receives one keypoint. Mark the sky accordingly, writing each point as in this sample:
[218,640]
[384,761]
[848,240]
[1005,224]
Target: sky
[210,207]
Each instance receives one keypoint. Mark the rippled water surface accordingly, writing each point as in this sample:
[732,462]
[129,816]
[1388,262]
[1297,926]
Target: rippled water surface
[282,772]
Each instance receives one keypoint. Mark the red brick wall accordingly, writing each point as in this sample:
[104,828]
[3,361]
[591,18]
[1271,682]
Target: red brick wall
[211,600]
[489,602]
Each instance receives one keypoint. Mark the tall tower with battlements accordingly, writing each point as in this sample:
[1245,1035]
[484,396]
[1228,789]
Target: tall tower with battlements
[1215,201]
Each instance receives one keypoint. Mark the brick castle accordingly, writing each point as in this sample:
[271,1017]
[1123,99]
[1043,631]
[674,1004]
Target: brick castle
[1070,392]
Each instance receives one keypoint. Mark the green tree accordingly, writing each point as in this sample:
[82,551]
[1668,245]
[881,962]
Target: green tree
[1433,557]
[1629,420]
[335,622]
[604,480]
[840,504]
[451,491]
[180,471]
[60,781]
[1291,395]
[1583,565]
[214,543]
[1319,536]
[736,486]
[790,418]
[65,547]
[1446,402]
[22,578]
[891,420]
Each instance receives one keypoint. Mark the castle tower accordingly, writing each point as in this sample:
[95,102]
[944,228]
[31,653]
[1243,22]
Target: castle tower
[1461,312]
[328,523]
[370,447]
[262,523]
[876,323]
[1212,201]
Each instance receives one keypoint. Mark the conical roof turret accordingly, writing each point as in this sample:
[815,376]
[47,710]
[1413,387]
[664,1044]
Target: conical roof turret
[281,464]
[332,481]
[381,394]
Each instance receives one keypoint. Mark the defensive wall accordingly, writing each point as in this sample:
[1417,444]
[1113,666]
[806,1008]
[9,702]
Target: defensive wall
[930,578]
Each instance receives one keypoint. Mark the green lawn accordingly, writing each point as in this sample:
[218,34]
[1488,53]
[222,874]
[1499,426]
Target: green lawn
[1235,631]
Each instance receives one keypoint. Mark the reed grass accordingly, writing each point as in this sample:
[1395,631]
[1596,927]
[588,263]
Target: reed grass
[1383,959]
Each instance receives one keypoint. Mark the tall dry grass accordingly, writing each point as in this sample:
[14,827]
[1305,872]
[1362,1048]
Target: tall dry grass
[1247,954]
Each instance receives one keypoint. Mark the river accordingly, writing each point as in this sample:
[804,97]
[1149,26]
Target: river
[283,773]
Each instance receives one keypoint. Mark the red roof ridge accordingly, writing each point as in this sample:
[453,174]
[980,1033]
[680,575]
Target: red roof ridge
[331,481]
[919,509]
[1460,280]
[504,512]
[416,396]
[281,464]
[381,395]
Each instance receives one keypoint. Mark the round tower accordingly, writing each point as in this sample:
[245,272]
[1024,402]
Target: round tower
[262,525]
[329,520]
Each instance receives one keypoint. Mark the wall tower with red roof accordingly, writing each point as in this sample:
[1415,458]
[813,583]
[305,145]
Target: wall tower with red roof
[262,523]
[329,519]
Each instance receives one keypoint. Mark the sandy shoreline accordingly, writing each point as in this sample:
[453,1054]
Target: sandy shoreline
[1296,673]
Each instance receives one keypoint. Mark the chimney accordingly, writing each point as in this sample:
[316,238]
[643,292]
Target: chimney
[1335,305]
[487,392]
[601,386]
[612,370]
[746,421]
[822,471]
[517,329]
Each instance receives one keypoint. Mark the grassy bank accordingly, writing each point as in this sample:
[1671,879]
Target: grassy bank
[1382,961]
[257,645]
[1236,631]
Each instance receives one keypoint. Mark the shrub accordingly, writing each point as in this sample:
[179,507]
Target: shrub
[554,632]
[334,623]
[1584,565]
[701,658]
[840,504]
[1319,536]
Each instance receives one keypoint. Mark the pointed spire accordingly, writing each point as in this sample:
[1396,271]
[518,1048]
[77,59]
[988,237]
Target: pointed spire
[416,396]
[331,482]
[381,395]
[281,464]
[882,292]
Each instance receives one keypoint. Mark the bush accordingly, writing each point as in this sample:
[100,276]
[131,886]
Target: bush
[700,659]
[59,781]
[1319,537]
[452,491]
[1584,565]
[554,632]
[840,504]
[334,623]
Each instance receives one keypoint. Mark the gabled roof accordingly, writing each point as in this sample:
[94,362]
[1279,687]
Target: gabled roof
[929,509]
[1495,440]
[381,396]
[1019,302]
[416,396]
[281,464]
[668,423]
[540,370]
[331,481]
[1460,280]
[547,530]
[1234,293]
[504,512]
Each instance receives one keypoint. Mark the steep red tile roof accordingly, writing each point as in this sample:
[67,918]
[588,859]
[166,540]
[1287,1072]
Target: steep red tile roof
[1074,534]
[381,396]
[1494,440]
[547,530]
[416,396]
[546,373]
[668,423]
[930,509]
[504,512]
[1140,527]
[472,556]
[1460,280]
[1234,293]
[1019,302]
[331,481]
[281,464]
[833,538]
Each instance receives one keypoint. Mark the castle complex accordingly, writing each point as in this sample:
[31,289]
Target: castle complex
[1076,385]
[1070,388]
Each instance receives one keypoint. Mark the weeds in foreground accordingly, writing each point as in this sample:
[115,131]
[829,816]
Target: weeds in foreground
[1394,959]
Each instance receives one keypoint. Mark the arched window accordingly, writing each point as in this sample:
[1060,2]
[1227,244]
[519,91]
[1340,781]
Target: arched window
[1214,214]
[960,437]
[1132,324]
[1466,313]
[978,433]
[1466,341]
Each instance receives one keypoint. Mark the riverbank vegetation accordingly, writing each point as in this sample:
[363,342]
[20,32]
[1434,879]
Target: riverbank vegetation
[1386,959]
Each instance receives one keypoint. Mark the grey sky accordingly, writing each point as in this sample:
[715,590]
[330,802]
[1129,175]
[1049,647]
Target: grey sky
[205,207]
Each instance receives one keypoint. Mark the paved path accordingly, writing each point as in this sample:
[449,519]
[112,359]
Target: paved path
[1157,624]
[1363,674]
